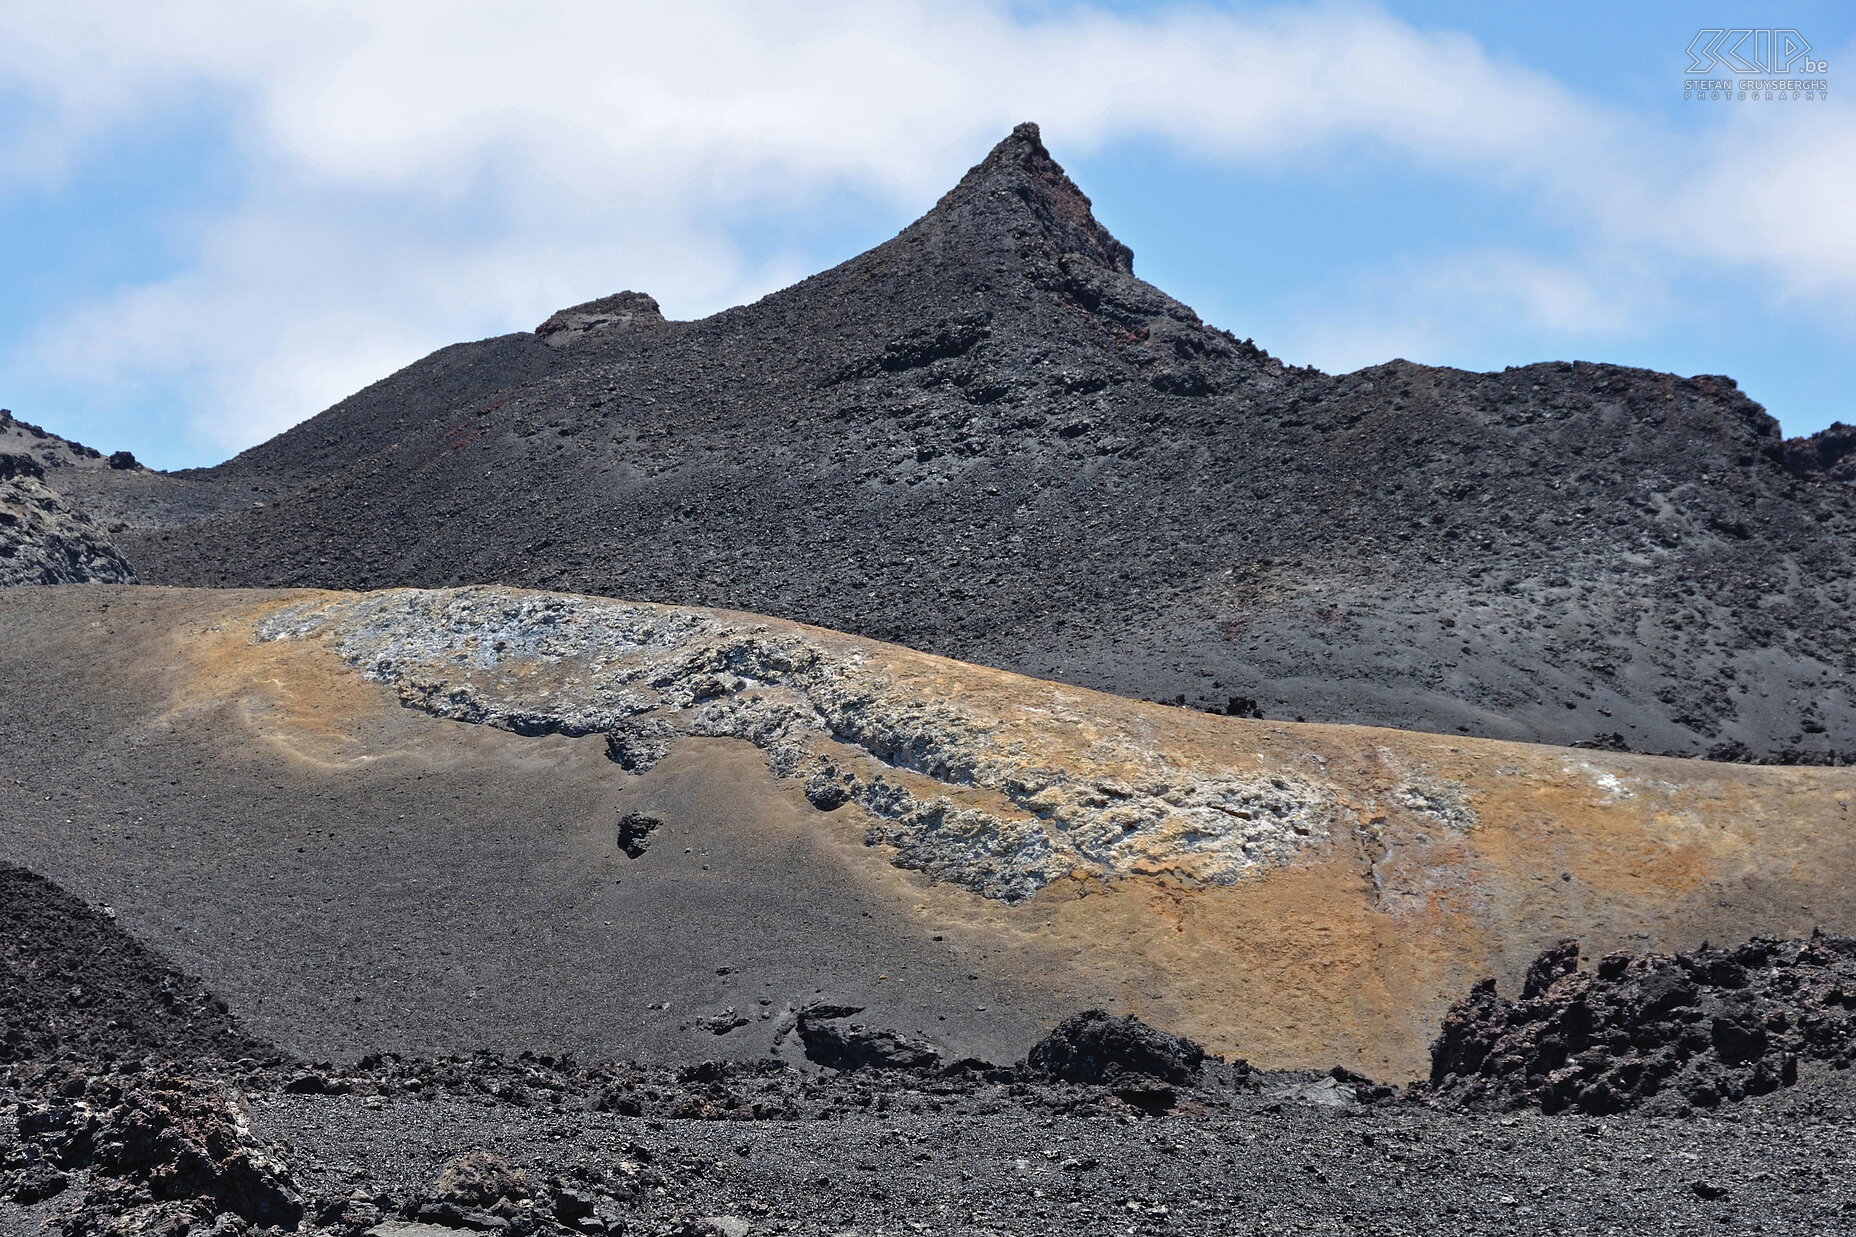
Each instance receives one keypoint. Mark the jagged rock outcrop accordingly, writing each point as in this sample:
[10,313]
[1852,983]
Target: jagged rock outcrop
[622,309]
[44,539]
[1828,455]
[1693,1029]
[165,1150]
[987,438]
[1094,1047]
[48,450]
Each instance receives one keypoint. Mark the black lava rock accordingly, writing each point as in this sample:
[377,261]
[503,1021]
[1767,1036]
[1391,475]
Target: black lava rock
[848,1046]
[13,464]
[635,831]
[1828,455]
[34,1182]
[480,1180]
[1092,1047]
[573,1206]
[152,1141]
[1692,1030]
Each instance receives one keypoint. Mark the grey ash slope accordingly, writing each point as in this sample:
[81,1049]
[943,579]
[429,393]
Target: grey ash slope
[987,438]
[379,416]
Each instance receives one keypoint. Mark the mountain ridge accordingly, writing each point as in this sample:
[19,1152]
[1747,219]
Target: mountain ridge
[987,438]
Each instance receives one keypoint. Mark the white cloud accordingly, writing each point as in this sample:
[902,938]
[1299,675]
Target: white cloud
[287,311]
[591,138]
[411,93]
[1774,196]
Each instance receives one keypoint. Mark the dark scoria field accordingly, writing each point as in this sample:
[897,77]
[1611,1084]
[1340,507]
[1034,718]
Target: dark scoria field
[125,1117]
[911,1155]
[988,439]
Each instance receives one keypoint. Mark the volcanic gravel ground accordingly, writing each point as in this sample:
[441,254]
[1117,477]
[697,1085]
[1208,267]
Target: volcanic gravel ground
[902,1160]
[987,438]
[1265,1165]
[1112,1127]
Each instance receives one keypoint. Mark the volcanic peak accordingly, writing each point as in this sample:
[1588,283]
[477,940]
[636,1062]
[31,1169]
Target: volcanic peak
[1014,253]
[1020,167]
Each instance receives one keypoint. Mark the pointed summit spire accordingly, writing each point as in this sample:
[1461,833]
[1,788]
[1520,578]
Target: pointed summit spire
[1019,170]
[1013,253]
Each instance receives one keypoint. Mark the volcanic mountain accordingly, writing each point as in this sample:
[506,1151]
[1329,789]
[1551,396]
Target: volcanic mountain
[988,439]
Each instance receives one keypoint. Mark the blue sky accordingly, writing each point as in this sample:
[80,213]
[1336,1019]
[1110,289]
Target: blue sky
[220,219]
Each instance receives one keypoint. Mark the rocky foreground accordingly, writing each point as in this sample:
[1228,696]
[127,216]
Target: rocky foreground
[124,1114]
[898,1154]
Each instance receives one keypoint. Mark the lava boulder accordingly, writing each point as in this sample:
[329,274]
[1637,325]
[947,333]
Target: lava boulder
[1093,1047]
